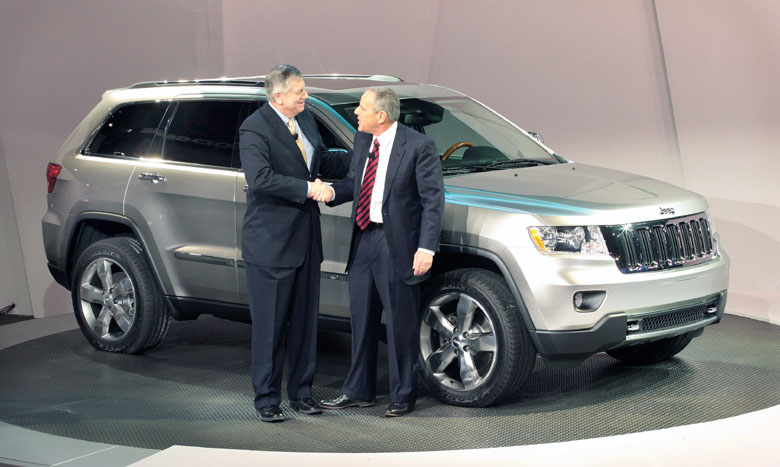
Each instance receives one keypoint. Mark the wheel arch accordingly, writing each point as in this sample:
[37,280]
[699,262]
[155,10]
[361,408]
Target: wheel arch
[451,257]
[91,226]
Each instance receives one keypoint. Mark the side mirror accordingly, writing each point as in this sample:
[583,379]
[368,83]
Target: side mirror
[536,136]
[342,154]
[337,169]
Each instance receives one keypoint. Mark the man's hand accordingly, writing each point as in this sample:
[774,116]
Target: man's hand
[422,262]
[320,191]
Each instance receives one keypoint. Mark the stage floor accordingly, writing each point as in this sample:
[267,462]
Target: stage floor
[194,389]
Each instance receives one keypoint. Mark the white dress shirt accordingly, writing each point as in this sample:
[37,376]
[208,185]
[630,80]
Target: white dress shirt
[385,148]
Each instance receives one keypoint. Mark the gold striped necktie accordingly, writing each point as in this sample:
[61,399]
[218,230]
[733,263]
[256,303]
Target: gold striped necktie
[298,139]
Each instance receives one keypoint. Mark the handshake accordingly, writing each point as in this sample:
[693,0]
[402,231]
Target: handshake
[320,192]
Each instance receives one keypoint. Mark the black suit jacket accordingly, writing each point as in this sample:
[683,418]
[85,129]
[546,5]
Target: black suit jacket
[413,203]
[277,223]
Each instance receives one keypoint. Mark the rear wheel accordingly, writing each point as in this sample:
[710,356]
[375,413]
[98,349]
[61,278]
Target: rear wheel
[651,352]
[115,298]
[474,348]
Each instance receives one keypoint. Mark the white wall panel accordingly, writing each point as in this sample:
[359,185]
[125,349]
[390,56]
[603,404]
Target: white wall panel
[587,75]
[723,59]
[57,58]
[13,280]
[344,36]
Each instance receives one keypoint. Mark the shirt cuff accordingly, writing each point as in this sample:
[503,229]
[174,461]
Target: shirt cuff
[426,251]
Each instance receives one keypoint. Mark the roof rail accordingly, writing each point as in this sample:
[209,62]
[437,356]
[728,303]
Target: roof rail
[242,81]
[354,76]
[258,81]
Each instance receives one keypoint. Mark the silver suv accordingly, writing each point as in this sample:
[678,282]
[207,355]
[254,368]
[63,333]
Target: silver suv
[539,255]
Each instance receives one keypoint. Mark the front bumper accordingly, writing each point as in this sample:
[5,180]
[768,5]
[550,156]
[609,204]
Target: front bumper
[565,335]
[548,284]
[564,349]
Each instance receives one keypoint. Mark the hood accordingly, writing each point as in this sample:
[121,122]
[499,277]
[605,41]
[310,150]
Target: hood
[573,194]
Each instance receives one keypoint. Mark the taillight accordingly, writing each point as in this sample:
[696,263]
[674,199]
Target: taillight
[52,172]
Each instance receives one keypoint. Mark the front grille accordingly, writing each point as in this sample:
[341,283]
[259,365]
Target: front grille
[673,319]
[661,244]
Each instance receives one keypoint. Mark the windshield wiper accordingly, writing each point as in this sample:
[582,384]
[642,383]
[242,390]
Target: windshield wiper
[516,163]
[462,169]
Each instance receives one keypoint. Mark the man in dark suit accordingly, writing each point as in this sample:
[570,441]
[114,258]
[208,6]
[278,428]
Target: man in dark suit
[395,181]
[281,155]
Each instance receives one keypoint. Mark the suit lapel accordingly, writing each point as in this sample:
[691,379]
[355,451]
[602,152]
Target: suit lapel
[283,133]
[309,128]
[396,156]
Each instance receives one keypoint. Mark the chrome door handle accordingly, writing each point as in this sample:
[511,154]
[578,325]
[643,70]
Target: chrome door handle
[246,188]
[149,177]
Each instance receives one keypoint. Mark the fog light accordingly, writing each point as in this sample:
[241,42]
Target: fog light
[589,300]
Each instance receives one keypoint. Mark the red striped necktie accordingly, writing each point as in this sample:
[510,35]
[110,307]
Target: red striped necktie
[364,200]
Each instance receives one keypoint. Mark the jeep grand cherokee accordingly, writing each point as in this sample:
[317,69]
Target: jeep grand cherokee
[539,255]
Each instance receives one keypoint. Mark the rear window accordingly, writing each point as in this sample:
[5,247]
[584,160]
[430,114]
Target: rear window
[129,130]
[203,133]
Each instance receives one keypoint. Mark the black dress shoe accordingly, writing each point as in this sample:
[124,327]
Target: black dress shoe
[344,401]
[396,409]
[270,413]
[306,405]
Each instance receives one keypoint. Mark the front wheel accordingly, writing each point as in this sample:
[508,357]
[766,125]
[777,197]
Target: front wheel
[474,348]
[117,304]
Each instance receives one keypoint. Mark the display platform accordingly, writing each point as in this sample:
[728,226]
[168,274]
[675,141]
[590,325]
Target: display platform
[194,389]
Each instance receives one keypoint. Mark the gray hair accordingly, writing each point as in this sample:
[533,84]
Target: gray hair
[278,79]
[386,100]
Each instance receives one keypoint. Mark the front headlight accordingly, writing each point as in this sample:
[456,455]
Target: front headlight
[714,235]
[585,240]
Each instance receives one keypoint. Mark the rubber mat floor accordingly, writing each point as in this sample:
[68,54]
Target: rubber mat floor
[195,389]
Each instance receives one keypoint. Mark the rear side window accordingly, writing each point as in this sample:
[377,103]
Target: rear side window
[203,133]
[129,130]
[248,110]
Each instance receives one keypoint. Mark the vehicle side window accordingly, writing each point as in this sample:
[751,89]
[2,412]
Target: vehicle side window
[129,130]
[203,133]
[248,109]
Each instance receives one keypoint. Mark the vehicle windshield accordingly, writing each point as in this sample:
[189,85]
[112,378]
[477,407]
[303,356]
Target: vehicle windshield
[468,134]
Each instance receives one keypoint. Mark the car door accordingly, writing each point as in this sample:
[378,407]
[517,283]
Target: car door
[183,202]
[240,208]
[336,221]
[108,160]
[336,232]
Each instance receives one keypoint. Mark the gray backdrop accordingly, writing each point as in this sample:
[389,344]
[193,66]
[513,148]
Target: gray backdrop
[681,90]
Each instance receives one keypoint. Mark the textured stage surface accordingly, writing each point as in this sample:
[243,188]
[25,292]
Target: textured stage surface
[194,389]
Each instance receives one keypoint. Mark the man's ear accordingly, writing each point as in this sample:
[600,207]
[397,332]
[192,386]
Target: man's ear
[382,117]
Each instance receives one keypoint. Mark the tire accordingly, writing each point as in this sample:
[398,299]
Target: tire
[115,298]
[460,368]
[651,352]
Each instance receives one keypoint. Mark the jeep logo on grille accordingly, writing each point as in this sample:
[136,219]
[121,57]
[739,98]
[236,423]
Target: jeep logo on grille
[665,211]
